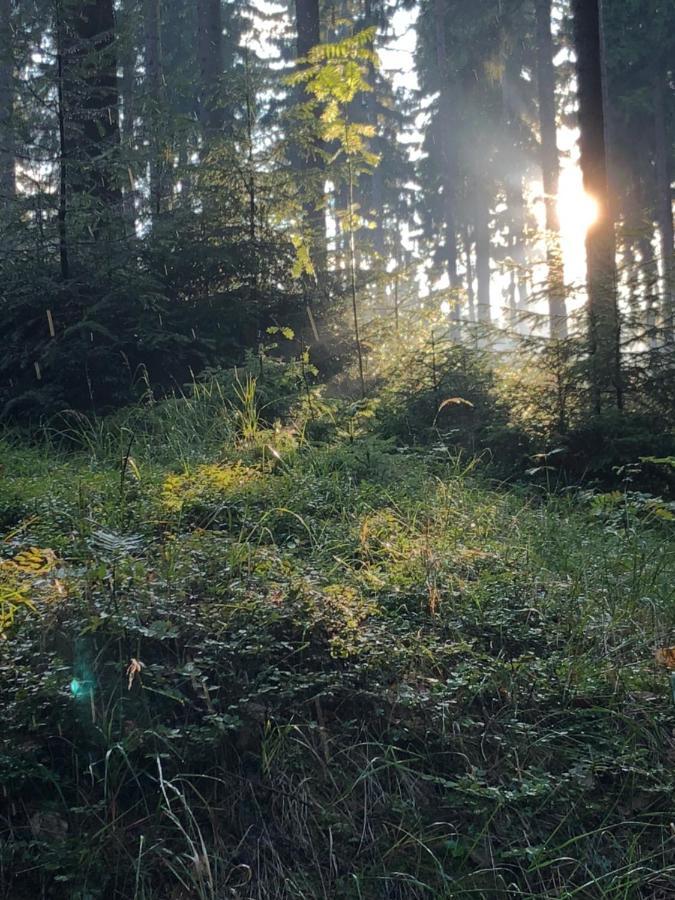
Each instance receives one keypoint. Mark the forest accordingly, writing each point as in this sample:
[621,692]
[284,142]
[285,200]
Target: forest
[337,449]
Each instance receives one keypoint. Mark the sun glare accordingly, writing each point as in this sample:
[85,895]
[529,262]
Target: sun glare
[577,209]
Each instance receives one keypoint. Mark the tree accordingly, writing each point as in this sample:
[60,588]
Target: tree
[307,26]
[639,49]
[334,76]
[447,149]
[212,107]
[307,152]
[664,196]
[89,108]
[478,137]
[154,93]
[127,34]
[483,251]
[603,313]
[550,167]
[7,161]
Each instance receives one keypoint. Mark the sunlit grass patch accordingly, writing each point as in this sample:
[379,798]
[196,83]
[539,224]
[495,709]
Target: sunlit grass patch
[208,482]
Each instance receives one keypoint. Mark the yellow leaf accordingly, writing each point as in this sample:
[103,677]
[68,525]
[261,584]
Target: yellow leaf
[35,561]
[134,670]
[665,656]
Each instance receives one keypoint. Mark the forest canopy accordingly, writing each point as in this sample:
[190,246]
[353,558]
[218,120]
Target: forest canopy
[178,177]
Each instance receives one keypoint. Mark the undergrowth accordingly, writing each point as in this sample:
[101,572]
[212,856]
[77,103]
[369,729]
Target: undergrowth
[259,651]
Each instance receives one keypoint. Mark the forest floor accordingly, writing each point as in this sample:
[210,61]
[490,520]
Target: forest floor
[244,664]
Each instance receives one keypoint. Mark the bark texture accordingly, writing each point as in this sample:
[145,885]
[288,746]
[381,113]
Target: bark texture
[664,203]
[154,94]
[603,315]
[308,35]
[550,168]
[212,106]
[90,104]
[7,161]
[446,150]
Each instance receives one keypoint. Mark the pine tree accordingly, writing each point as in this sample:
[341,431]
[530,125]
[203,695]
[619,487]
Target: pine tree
[550,167]
[154,98]
[478,137]
[603,313]
[664,204]
[640,47]
[89,107]
[7,160]
[128,34]
[212,107]
[308,152]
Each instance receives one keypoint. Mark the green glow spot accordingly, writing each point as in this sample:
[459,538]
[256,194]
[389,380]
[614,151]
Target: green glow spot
[75,687]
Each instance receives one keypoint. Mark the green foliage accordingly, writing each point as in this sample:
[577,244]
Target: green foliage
[527,409]
[333,75]
[600,448]
[447,394]
[188,304]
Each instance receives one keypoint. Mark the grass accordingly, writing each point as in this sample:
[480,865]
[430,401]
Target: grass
[362,671]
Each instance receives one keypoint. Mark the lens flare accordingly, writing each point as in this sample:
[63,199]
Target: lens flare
[81,689]
[577,211]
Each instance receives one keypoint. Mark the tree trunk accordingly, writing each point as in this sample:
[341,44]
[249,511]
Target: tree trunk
[664,204]
[550,168]
[512,307]
[627,242]
[483,254]
[7,161]
[375,179]
[212,108]
[308,35]
[516,205]
[308,26]
[90,107]
[603,314]
[377,199]
[648,267]
[471,299]
[352,280]
[128,98]
[446,152]
[154,94]
[64,260]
